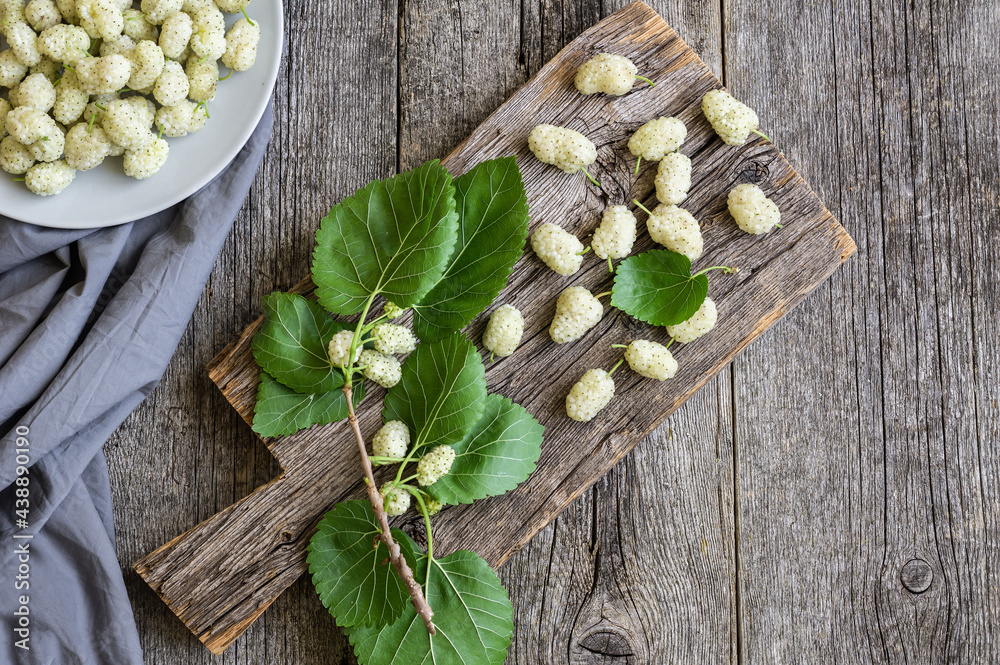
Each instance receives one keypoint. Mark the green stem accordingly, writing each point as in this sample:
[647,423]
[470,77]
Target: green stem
[418,495]
[637,162]
[643,78]
[349,372]
[617,365]
[669,343]
[18,179]
[761,134]
[585,250]
[619,346]
[728,270]
[227,75]
[374,322]
[492,354]
[375,459]
[641,207]
[587,173]
[601,295]
[244,10]
[611,266]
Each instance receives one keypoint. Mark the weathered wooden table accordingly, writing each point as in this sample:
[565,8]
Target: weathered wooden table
[832,497]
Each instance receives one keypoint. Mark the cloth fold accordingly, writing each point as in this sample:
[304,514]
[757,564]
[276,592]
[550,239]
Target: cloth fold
[89,320]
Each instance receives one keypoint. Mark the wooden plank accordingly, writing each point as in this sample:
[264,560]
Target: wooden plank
[257,544]
[867,480]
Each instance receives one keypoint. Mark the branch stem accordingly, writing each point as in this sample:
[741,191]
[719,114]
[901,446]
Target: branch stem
[395,554]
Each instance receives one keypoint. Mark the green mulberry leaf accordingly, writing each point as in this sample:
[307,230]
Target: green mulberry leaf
[354,579]
[657,287]
[472,614]
[281,411]
[292,344]
[393,237]
[441,392]
[497,454]
[492,230]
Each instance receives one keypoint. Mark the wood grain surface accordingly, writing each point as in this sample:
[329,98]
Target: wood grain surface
[776,515]
[219,576]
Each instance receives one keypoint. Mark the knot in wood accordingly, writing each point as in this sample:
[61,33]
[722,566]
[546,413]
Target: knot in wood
[916,575]
[286,536]
[754,173]
[607,646]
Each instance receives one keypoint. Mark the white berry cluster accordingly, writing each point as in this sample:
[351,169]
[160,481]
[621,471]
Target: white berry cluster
[589,395]
[339,348]
[382,369]
[673,178]
[558,249]
[91,69]
[504,331]
[396,500]
[676,229]
[651,360]
[657,139]
[614,237]
[392,440]
[731,119]
[564,148]
[699,324]
[607,73]
[577,311]
[390,338]
[435,464]
[752,210]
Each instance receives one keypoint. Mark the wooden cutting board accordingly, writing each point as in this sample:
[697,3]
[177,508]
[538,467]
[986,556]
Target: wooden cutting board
[222,574]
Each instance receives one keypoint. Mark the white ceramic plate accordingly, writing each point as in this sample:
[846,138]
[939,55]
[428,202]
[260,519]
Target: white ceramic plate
[105,196]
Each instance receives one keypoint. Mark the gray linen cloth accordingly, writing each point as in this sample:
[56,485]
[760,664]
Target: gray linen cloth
[88,322]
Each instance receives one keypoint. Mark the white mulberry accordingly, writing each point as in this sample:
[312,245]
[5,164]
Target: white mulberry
[564,148]
[607,73]
[182,119]
[433,506]
[504,331]
[380,368]
[676,229]
[100,18]
[577,311]
[122,44]
[435,464]
[23,42]
[673,178]
[15,158]
[42,14]
[127,125]
[103,75]
[4,110]
[48,67]
[64,43]
[203,78]
[86,147]
[560,250]
[396,500]
[392,440]
[589,395]
[390,338]
[70,100]
[145,162]
[392,310]
[37,92]
[12,71]
[137,28]
[172,85]
[657,139]
[208,40]
[699,324]
[175,34]
[50,178]
[731,119]
[614,238]
[157,11]
[232,6]
[38,131]
[651,360]
[340,346]
[752,210]
[241,45]
[147,64]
